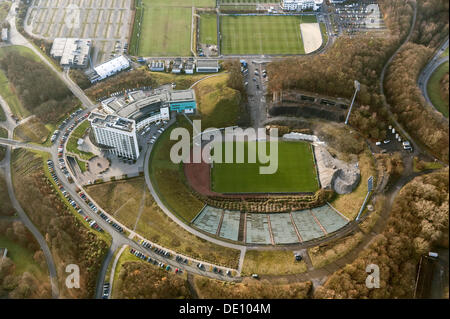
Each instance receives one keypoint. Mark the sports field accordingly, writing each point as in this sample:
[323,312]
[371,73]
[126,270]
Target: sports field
[208,28]
[165,31]
[263,34]
[296,172]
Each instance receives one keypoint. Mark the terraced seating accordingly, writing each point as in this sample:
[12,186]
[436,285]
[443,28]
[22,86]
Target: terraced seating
[328,218]
[230,225]
[282,229]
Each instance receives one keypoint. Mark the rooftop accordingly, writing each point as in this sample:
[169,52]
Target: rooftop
[71,50]
[105,69]
[207,63]
[111,121]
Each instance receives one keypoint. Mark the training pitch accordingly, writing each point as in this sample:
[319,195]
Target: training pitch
[263,34]
[296,172]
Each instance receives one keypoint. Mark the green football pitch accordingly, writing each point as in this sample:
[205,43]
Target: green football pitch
[262,34]
[296,172]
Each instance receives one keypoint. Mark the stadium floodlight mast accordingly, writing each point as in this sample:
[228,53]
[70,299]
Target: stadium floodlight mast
[357,88]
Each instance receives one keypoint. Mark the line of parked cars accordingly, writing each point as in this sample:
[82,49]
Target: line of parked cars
[92,223]
[99,212]
[155,262]
[64,123]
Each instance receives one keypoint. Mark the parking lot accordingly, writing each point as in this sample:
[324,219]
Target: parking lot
[106,22]
[358,17]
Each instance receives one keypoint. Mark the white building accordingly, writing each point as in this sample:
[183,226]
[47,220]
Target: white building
[116,134]
[110,68]
[301,5]
[72,52]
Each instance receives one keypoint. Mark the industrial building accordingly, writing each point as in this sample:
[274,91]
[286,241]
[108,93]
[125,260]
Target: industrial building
[110,68]
[72,52]
[301,5]
[207,66]
[189,67]
[115,134]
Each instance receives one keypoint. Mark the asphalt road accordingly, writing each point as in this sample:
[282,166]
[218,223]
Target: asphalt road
[9,124]
[429,69]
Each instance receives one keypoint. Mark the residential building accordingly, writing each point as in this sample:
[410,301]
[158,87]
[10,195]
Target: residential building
[115,134]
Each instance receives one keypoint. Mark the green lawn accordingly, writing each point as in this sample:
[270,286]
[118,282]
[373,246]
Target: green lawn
[181,3]
[72,143]
[13,101]
[296,172]
[22,258]
[262,34]
[208,29]
[165,31]
[445,53]
[169,179]
[434,90]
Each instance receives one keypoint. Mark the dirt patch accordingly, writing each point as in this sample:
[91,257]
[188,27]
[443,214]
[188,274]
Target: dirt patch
[312,36]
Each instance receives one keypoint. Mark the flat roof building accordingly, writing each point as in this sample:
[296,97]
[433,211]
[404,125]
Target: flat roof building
[207,66]
[177,66]
[116,134]
[110,68]
[300,5]
[189,67]
[72,52]
[157,66]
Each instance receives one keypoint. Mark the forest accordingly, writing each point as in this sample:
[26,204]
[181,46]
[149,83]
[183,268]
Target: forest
[144,281]
[41,92]
[69,240]
[362,58]
[19,280]
[418,222]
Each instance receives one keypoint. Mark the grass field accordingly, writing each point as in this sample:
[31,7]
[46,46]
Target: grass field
[247,1]
[434,89]
[169,180]
[165,29]
[72,143]
[296,172]
[262,34]
[218,104]
[208,29]
[131,203]
[23,259]
[181,3]
[271,262]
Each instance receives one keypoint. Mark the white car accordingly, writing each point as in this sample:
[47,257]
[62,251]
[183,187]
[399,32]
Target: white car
[378,143]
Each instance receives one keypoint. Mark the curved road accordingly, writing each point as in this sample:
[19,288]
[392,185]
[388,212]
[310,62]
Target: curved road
[398,126]
[429,69]
[5,165]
